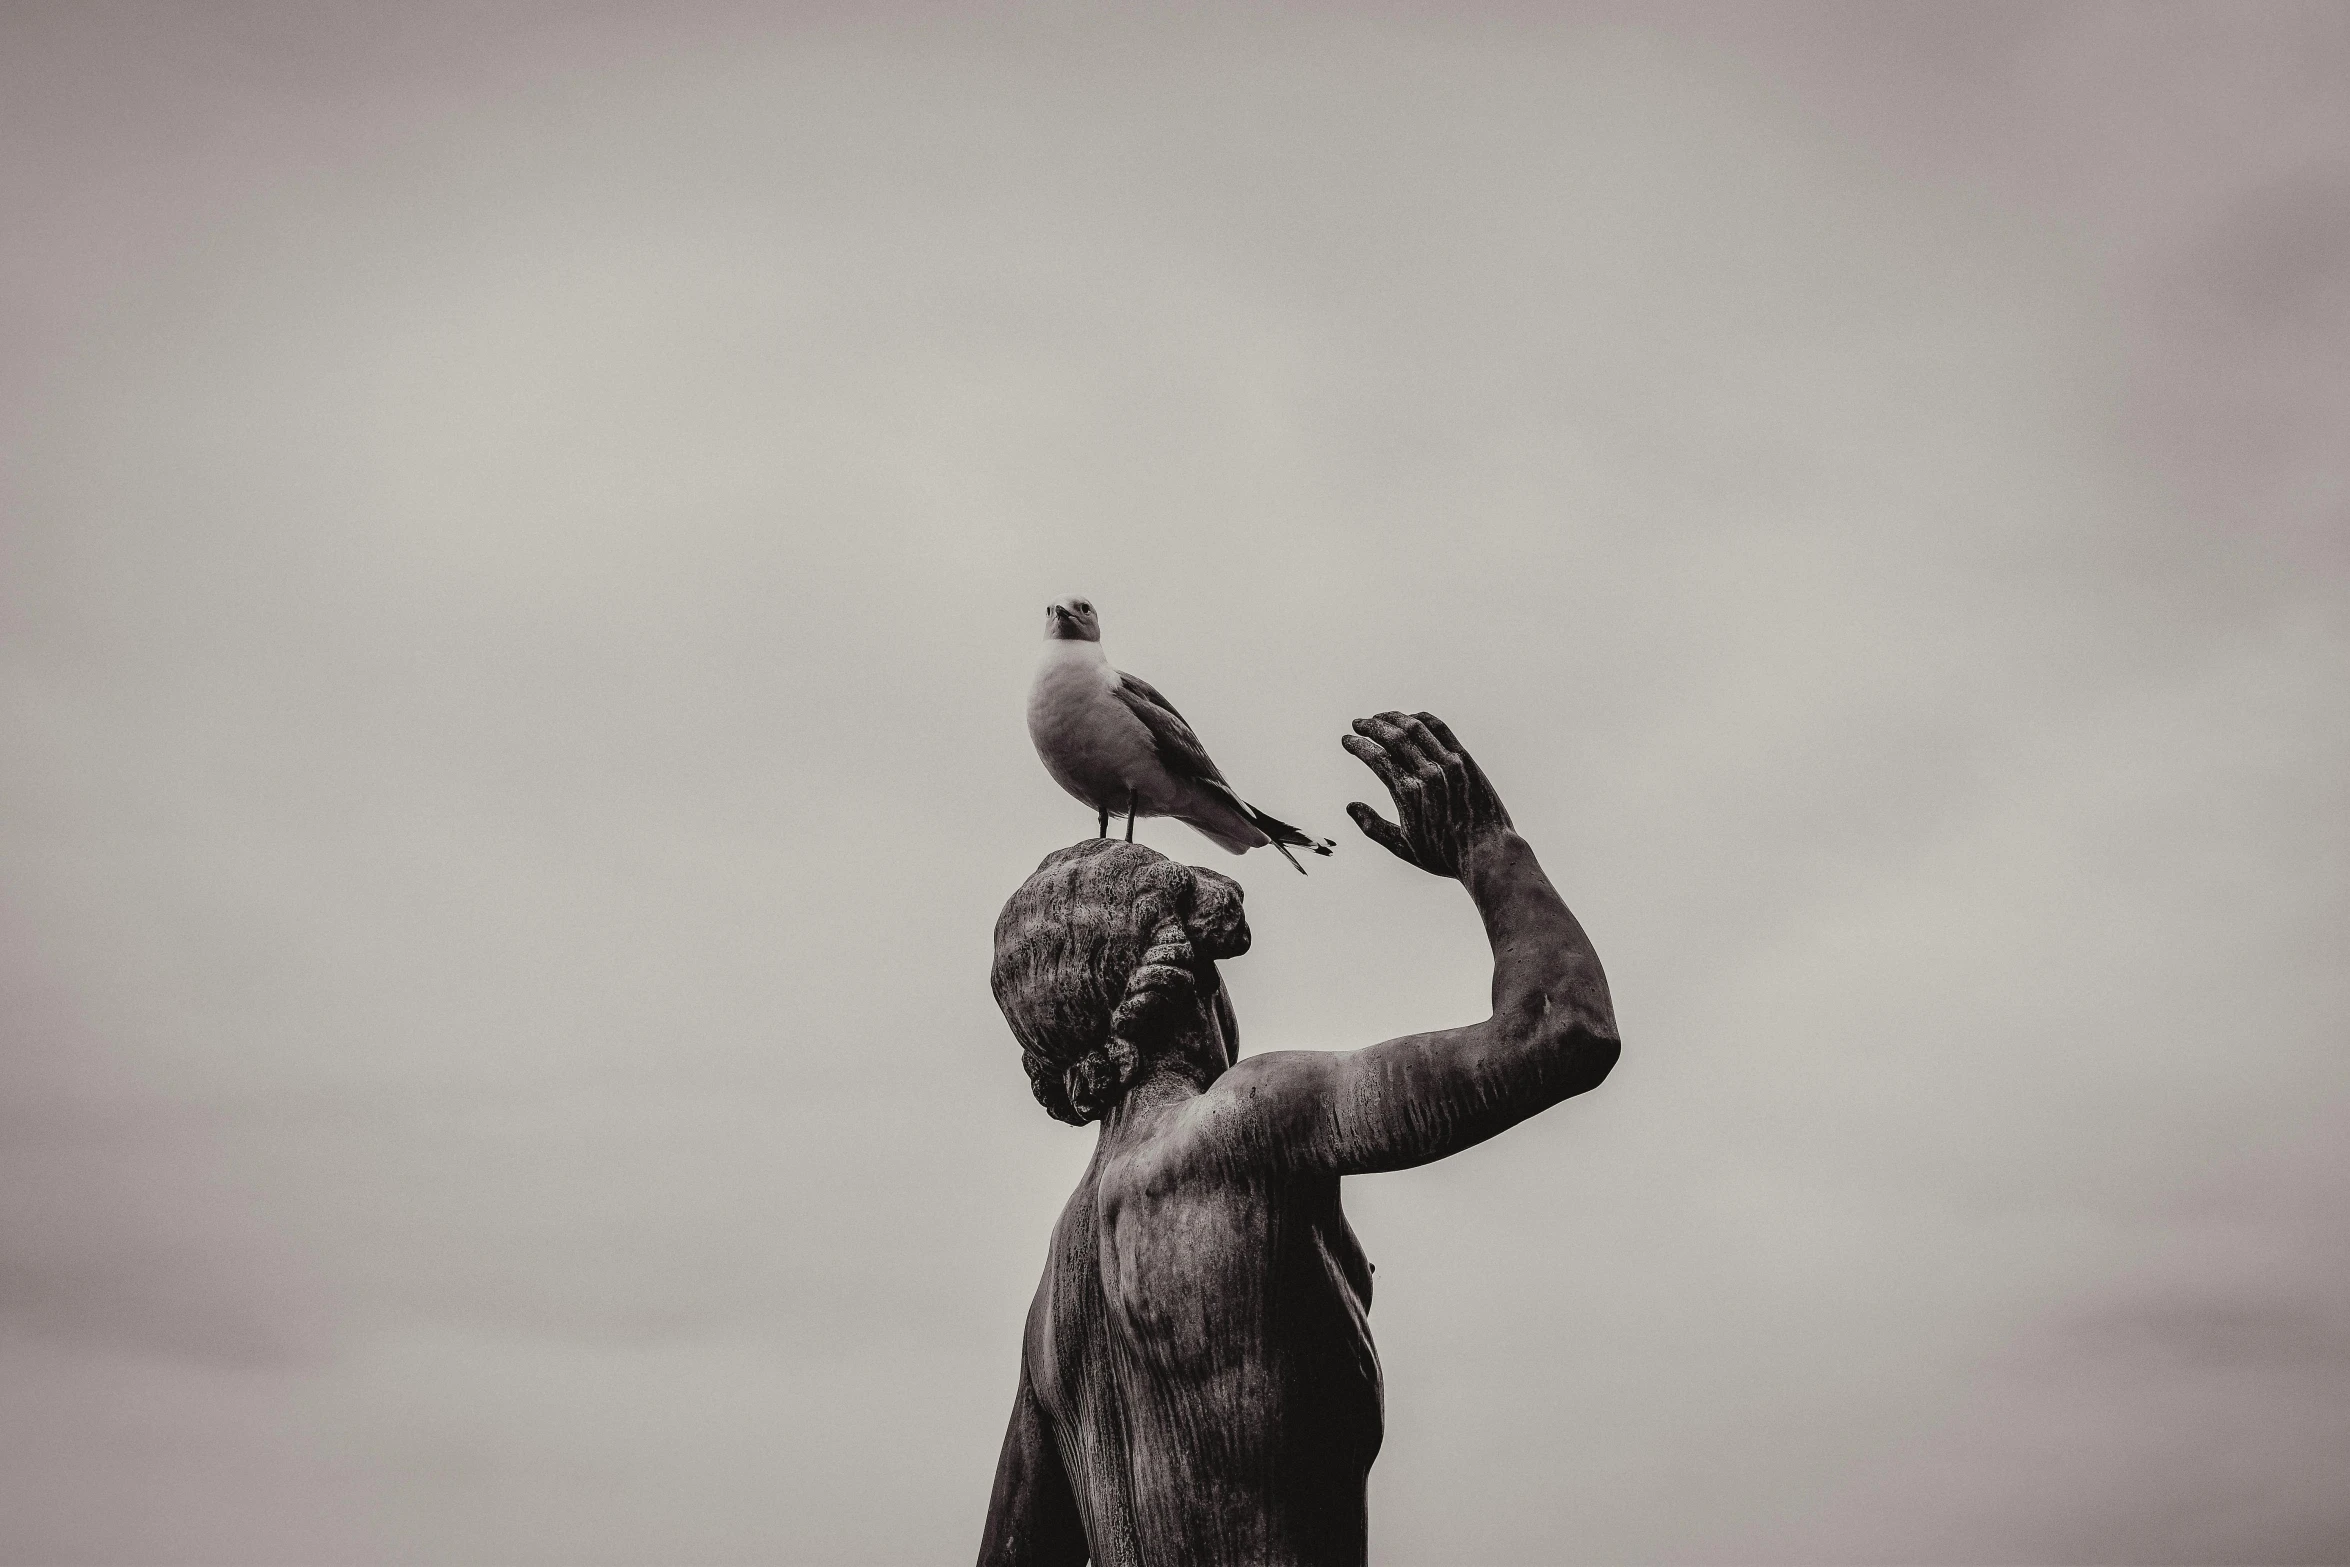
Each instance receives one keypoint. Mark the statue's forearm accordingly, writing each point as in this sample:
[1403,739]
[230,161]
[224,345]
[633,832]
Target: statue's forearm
[1427,1096]
[1547,982]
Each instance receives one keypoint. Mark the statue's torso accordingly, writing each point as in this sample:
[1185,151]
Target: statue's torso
[1200,1347]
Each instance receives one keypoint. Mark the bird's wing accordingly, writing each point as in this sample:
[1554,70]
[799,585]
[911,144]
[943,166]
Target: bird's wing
[1179,749]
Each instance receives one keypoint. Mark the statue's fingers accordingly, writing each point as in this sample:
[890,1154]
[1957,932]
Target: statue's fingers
[1382,832]
[1422,736]
[1468,783]
[1412,773]
[1394,731]
[1474,775]
[1380,727]
[1443,733]
[1438,768]
[1374,756]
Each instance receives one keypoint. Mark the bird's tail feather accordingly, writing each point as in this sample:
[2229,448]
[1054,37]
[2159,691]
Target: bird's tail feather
[1284,836]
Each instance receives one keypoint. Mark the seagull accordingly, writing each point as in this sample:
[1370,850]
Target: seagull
[1112,741]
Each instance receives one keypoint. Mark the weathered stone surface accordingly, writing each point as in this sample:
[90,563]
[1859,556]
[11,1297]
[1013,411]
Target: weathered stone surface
[1197,1380]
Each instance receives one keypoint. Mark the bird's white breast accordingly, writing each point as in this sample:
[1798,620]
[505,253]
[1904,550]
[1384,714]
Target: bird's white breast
[1088,741]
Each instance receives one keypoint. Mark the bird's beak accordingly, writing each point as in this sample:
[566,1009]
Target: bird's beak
[1057,612]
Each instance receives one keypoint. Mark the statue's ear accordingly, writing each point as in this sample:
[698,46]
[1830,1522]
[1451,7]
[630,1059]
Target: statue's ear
[1100,1078]
[1214,922]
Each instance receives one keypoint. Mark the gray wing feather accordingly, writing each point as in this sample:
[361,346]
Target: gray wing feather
[1179,749]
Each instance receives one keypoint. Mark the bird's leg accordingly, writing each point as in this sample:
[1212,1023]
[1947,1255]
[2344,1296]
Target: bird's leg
[1105,823]
[1129,816]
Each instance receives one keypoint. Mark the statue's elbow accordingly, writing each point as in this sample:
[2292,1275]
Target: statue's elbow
[1590,1058]
[1576,1055]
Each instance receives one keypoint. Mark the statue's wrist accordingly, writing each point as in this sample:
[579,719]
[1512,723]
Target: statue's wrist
[1490,856]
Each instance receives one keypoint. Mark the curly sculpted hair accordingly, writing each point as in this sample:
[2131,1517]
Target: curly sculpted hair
[1097,956]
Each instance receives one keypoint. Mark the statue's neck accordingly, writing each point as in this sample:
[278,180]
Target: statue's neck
[1168,1083]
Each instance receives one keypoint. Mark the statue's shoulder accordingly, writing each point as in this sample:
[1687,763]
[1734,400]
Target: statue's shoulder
[1264,1107]
[1273,1079]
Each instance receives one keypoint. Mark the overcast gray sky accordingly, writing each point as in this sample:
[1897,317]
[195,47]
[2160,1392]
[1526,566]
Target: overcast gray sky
[525,530]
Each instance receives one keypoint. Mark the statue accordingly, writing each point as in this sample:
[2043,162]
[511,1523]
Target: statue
[1197,1382]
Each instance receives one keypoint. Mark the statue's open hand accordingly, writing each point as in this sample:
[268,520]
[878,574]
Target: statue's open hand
[1444,807]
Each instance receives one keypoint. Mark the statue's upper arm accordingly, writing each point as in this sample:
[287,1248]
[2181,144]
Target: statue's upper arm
[1402,1103]
[1304,1109]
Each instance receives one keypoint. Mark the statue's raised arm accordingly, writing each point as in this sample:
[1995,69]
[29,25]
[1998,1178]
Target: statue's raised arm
[1552,1034]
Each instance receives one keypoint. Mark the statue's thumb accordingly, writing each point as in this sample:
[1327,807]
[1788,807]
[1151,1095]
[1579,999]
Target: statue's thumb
[1382,832]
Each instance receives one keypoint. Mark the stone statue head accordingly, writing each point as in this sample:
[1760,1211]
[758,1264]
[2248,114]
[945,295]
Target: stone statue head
[1105,966]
